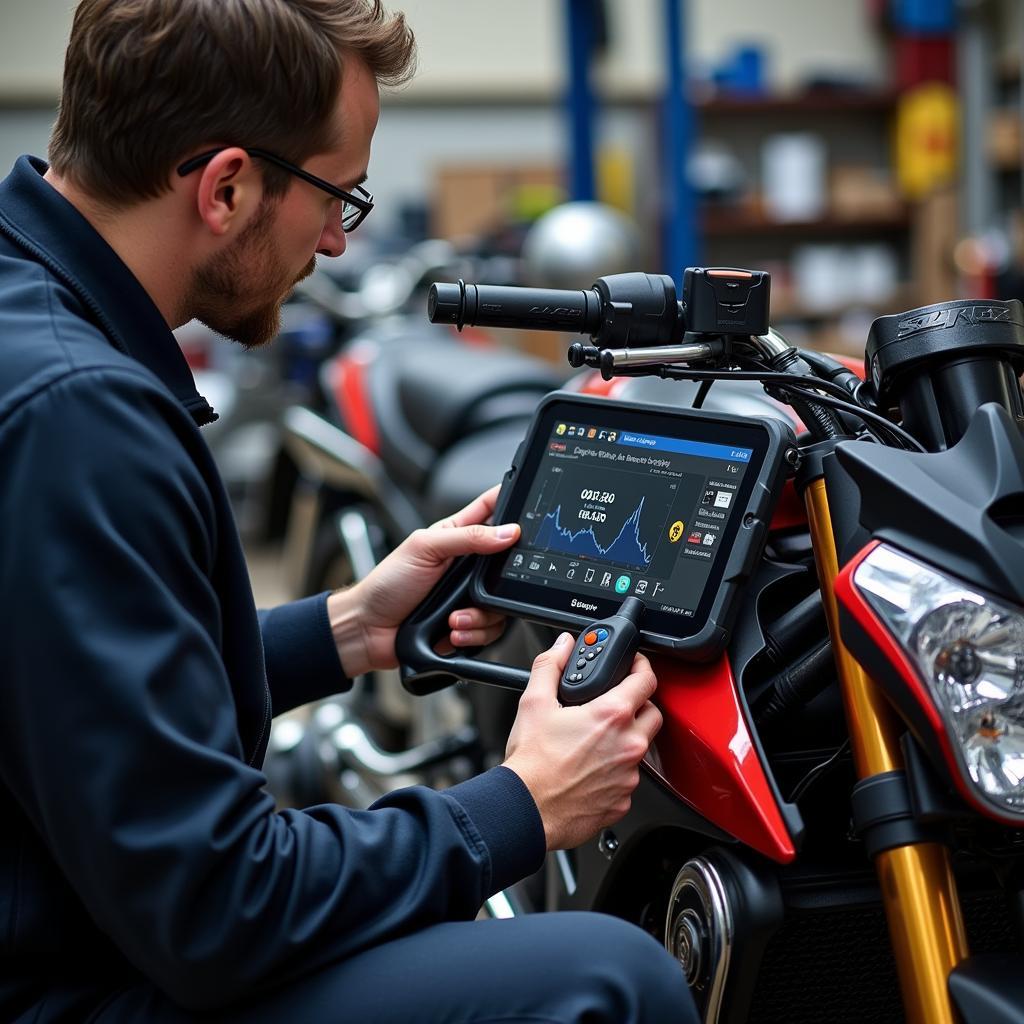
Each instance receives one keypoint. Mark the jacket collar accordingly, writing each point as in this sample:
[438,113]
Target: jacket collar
[40,220]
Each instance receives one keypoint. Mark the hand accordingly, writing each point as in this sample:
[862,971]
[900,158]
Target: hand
[581,763]
[366,617]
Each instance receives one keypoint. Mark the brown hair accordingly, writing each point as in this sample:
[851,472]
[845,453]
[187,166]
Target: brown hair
[147,82]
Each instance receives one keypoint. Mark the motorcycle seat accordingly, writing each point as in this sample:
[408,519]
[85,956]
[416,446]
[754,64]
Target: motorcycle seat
[427,396]
[441,390]
[470,466]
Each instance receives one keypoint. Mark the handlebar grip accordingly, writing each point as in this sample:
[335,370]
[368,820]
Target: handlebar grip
[423,669]
[491,305]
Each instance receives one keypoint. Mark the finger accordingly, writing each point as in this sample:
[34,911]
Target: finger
[477,511]
[477,637]
[549,665]
[649,719]
[473,618]
[438,544]
[639,686]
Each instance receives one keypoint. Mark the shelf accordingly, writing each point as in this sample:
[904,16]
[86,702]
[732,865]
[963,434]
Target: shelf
[823,102]
[454,94]
[784,308]
[721,223]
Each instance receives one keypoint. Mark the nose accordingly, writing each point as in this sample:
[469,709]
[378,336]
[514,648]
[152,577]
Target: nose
[332,238]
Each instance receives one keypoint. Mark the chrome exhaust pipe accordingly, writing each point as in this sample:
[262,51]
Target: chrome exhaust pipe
[499,907]
[356,748]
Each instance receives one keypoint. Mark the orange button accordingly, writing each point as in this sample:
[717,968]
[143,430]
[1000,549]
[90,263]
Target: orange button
[590,638]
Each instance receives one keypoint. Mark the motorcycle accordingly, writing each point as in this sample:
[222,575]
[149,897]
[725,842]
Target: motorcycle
[828,826]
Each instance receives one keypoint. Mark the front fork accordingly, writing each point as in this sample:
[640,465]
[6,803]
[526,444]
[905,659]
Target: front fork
[918,888]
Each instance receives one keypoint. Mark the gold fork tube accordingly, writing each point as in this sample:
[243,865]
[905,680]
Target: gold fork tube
[918,889]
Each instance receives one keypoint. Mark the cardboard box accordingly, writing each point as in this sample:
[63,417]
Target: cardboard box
[860,191]
[472,200]
[1004,139]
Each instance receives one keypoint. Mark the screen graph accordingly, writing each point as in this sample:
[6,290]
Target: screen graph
[614,516]
[627,547]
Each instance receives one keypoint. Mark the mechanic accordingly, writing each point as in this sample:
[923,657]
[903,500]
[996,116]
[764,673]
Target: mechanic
[204,151]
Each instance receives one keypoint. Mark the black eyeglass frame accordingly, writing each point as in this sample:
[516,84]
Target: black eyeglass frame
[362,203]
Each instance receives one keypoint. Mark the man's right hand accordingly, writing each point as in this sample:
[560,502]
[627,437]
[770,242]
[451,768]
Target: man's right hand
[581,763]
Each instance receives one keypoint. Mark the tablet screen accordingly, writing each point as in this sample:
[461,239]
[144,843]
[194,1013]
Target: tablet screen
[613,502]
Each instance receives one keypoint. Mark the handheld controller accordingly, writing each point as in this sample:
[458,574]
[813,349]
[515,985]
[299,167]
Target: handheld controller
[602,656]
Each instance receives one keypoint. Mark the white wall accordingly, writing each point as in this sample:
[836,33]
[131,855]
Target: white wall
[33,34]
[493,46]
[472,50]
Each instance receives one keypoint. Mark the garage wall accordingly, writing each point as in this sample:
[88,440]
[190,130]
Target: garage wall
[475,53]
[491,46]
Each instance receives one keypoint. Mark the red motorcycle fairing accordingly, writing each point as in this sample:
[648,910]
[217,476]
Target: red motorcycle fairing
[347,380]
[790,512]
[477,337]
[898,671]
[590,382]
[706,755]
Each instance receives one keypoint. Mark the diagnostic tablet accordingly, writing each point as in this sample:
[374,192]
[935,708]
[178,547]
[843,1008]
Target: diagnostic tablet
[616,500]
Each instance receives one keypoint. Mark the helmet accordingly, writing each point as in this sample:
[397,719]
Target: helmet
[573,244]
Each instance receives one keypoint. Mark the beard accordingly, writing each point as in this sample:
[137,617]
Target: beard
[240,292]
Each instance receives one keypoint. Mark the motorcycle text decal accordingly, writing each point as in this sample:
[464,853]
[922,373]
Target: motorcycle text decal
[942,318]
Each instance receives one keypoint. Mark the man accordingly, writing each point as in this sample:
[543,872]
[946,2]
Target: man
[205,150]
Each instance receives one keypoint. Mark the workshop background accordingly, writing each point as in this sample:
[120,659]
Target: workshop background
[865,152]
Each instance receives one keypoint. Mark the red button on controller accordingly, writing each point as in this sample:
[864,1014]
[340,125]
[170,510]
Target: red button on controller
[590,638]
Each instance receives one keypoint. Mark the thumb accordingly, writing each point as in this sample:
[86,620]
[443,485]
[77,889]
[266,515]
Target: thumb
[548,667]
[441,543]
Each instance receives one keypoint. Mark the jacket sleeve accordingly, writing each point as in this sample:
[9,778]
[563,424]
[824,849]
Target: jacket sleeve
[120,736]
[301,656]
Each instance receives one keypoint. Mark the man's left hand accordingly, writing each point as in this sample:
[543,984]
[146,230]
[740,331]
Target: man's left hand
[366,617]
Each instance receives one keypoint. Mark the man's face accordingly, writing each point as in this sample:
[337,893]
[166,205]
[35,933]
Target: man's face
[240,291]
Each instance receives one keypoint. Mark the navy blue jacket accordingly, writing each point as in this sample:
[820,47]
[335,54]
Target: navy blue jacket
[137,682]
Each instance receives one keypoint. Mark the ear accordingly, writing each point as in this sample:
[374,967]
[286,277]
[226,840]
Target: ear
[229,191]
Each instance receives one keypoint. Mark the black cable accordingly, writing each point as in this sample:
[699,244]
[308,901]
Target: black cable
[828,423]
[702,394]
[796,381]
[796,686]
[815,773]
[769,376]
[907,440]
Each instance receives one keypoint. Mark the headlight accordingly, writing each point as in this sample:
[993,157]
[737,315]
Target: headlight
[969,651]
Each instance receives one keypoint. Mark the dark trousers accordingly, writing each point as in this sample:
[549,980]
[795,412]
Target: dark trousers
[566,968]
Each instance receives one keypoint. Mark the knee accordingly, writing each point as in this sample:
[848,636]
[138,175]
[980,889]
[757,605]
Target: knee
[634,976]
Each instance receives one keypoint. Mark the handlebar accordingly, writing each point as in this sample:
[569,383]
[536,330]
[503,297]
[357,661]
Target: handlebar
[622,309]
[490,305]
[639,309]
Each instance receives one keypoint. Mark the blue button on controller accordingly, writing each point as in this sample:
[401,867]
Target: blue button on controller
[602,635]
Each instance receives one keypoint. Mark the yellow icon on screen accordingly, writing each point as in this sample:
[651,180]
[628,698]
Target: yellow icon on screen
[560,429]
[675,531]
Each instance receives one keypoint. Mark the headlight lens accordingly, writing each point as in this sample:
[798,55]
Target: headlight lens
[969,650]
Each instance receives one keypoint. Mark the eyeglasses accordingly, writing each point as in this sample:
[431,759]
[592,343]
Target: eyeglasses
[355,207]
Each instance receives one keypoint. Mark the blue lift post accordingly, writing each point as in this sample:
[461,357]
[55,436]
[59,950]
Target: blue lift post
[679,208]
[681,246]
[580,102]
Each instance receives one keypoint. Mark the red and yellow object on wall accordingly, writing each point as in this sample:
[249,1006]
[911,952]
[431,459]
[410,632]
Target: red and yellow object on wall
[927,125]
